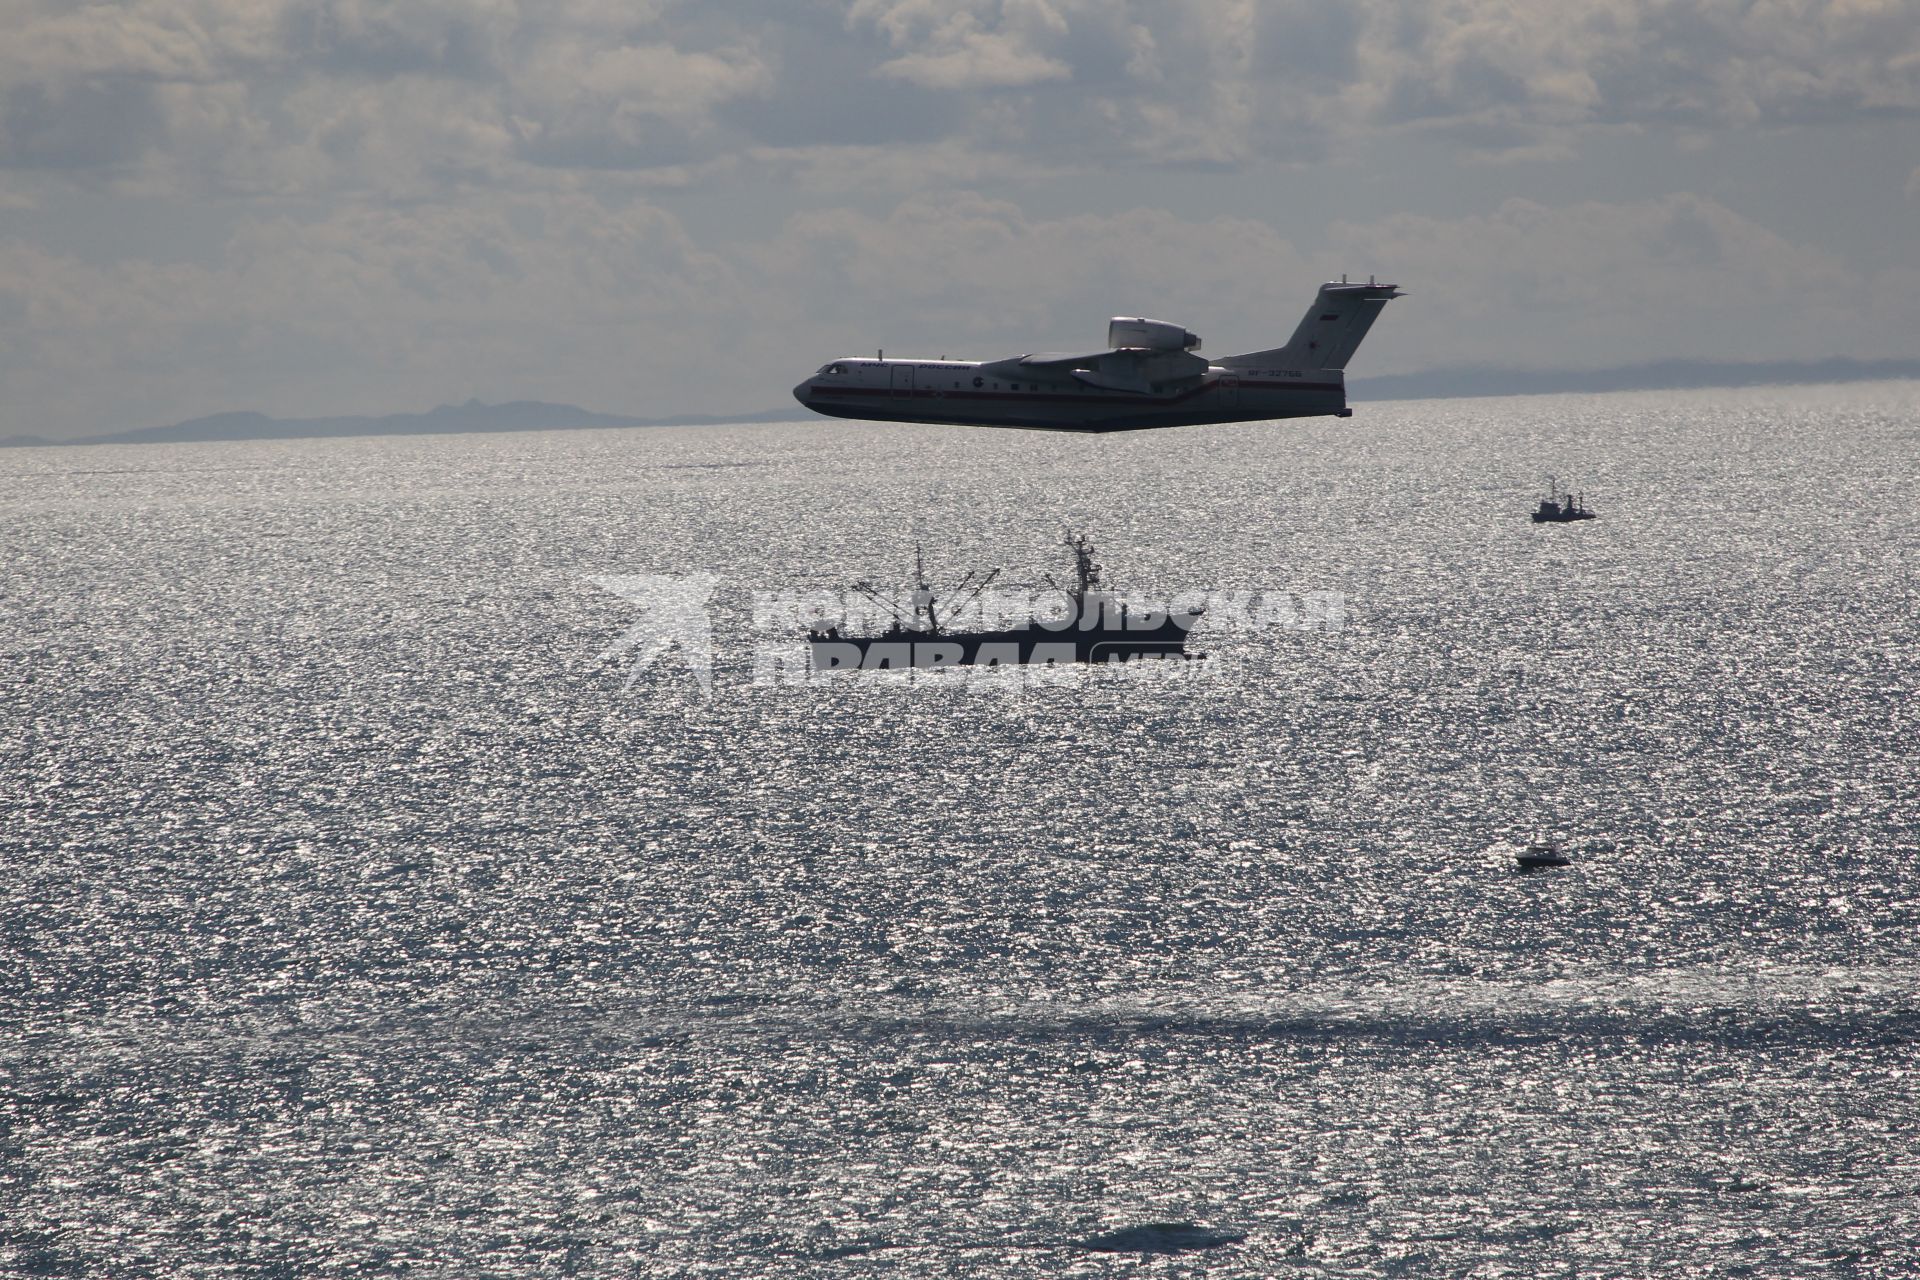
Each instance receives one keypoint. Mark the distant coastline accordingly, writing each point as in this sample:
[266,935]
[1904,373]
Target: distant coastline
[1663,375]
[448,419]
[1434,384]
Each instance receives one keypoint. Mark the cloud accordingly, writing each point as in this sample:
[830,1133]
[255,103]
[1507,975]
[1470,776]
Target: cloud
[153,40]
[1230,81]
[79,126]
[1592,284]
[1584,284]
[1715,64]
[978,45]
[598,86]
[967,271]
[633,106]
[377,307]
[278,97]
[979,61]
[366,308]
[1528,284]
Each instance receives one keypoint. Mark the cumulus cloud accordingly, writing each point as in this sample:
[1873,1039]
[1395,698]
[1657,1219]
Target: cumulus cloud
[634,106]
[596,86]
[980,45]
[286,97]
[144,39]
[1232,81]
[1718,63]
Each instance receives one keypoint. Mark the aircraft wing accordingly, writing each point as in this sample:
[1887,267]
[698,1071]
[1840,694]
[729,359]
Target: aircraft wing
[1054,360]
[1017,366]
[1129,369]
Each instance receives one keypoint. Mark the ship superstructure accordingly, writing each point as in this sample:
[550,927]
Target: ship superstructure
[1096,626]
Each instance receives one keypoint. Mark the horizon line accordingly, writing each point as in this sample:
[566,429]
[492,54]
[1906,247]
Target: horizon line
[1465,382]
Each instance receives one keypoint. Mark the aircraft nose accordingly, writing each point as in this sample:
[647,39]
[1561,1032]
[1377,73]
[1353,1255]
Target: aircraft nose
[804,392]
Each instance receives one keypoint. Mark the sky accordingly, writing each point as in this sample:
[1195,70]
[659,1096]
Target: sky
[322,207]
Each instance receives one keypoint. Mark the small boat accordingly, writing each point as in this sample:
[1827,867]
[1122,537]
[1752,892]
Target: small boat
[1162,1237]
[1542,853]
[1559,508]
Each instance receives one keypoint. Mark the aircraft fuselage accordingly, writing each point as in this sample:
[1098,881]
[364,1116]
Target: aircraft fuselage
[1006,394]
[1150,375]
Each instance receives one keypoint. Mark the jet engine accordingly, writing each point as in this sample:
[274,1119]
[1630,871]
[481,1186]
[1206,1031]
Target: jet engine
[1154,335]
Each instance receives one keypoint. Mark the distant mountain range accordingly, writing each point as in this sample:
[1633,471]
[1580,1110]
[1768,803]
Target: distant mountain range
[519,415]
[1664,375]
[532,415]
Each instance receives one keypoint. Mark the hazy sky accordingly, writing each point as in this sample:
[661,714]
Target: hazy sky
[343,206]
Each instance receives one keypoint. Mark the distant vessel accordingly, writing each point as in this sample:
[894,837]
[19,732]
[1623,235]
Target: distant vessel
[1542,853]
[1559,508]
[1097,628]
[1162,1237]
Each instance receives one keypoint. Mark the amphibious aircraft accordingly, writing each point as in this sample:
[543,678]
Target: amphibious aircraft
[1149,377]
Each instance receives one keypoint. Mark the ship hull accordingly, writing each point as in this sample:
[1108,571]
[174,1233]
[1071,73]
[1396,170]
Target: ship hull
[1021,646]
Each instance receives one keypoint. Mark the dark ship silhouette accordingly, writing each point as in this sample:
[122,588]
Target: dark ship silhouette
[1559,508]
[1098,628]
[1539,853]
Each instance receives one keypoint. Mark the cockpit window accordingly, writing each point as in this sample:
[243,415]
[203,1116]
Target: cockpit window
[833,368]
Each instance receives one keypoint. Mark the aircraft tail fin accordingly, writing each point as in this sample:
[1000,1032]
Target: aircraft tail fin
[1331,330]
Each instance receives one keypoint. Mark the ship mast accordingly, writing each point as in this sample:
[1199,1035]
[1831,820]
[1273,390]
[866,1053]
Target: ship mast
[924,616]
[1086,573]
[926,605]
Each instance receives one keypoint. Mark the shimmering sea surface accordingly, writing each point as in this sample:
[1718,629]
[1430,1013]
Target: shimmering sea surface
[359,917]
